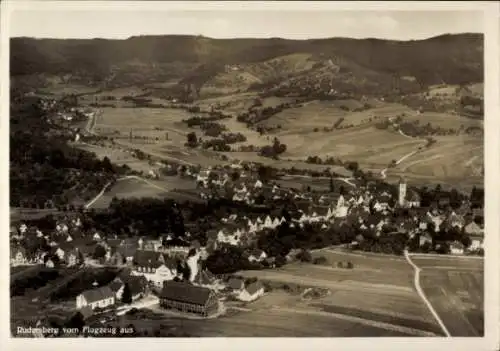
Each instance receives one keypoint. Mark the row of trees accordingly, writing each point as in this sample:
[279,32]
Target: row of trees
[222,143]
[256,115]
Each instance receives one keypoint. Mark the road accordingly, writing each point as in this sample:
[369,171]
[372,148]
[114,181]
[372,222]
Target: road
[383,173]
[89,127]
[422,295]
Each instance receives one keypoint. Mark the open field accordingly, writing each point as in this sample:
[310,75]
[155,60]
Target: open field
[139,188]
[150,122]
[356,143]
[319,114]
[117,156]
[450,156]
[155,125]
[20,214]
[175,152]
[379,288]
[60,90]
[266,323]
[381,112]
[455,288]
[276,314]
[233,103]
[314,114]
[444,120]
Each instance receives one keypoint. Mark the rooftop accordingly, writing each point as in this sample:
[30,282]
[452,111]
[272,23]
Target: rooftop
[185,292]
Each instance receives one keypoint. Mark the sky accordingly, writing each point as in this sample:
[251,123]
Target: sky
[120,22]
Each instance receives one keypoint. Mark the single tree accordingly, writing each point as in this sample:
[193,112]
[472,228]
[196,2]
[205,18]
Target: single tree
[127,294]
[99,252]
[192,140]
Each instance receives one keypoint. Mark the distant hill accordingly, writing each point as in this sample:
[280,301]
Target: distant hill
[450,59]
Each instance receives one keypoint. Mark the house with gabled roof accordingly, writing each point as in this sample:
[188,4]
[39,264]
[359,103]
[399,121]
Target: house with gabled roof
[205,278]
[155,267]
[342,210]
[127,251]
[276,222]
[99,297]
[476,234]
[436,219]
[236,284]
[256,255]
[18,256]
[188,298]
[454,221]
[320,212]
[472,228]
[268,223]
[457,248]
[425,238]
[117,286]
[73,257]
[251,292]
[413,199]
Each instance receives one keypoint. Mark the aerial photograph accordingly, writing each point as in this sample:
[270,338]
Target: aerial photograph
[230,173]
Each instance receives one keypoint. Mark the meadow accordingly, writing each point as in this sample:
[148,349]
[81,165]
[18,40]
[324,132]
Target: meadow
[157,132]
[378,289]
[117,156]
[171,187]
[266,322]
[444,120]
[449,157]
[455,288]
[149,122]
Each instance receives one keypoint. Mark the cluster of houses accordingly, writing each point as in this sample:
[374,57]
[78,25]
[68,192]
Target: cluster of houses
[149,265]
[158,263]
[363,208]
[199,294]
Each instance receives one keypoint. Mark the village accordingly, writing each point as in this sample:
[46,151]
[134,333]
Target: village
[169,274]
[153,271]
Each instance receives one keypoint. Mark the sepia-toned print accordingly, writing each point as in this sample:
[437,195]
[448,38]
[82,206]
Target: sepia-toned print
[246,173]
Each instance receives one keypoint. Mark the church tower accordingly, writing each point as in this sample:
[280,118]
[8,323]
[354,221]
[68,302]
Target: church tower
[402,192]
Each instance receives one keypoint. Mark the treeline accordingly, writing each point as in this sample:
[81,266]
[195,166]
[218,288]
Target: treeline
[154,218]
[415,129]
[45,172]
[279,242]
[222,143]
[140,101]
[208,124]
[258,115]
[450,198]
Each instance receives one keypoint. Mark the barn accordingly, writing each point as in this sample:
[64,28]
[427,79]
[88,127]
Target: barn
[187,298]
